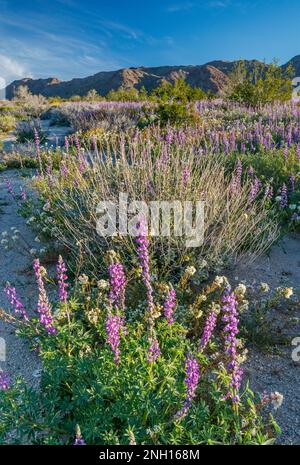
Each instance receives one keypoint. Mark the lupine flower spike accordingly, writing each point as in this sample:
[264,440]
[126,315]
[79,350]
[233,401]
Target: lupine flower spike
[43,308]
[192,376]
[5,381]
[230,318]
[15,302]
[79,441]
[62,280]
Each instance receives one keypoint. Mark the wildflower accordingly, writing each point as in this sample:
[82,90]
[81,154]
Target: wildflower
[283,196]
[239,172]
[10,188]
[230,317]
[38,149]
[83,279]
[4,381]
[43,308]
[103,284]
[264,287]
[153,351]
[292,182]
[114,326]
[62,278]
[23,195]
[240,290]
[118,284]
[132,438]
[190,270]
[209,327]
[143,254]
[79,441]
[185,177]
[276,399]
[287,292]
[15,302]
[191,381]
[169,306]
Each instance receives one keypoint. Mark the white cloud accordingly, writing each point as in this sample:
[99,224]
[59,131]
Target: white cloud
[10,69]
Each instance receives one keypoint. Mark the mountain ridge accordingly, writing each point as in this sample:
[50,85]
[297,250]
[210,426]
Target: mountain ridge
[211,76]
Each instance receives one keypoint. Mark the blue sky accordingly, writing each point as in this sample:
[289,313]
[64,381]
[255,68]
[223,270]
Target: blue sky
[72,38]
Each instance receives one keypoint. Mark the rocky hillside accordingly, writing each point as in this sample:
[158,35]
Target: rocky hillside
[210,77]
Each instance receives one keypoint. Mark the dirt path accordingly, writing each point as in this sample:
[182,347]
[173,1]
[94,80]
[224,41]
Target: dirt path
[14,266]
[278,371]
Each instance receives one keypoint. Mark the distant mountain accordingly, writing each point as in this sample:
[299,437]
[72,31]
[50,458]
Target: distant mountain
[210,77]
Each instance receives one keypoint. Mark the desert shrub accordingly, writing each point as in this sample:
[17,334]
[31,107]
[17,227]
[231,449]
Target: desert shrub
[176,114]
[33,105]
[25,132]
[127,95]
[178,91]
[7,123]
[260,85]
[110,116]
[111,383]
[234,224]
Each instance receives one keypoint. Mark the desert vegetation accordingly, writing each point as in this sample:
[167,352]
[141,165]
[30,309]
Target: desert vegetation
[141,339]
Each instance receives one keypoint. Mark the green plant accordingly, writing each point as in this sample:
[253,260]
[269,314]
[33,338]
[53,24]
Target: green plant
[7,123]
[134,399]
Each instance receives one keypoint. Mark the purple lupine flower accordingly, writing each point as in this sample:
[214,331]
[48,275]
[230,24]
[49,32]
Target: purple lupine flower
[77,145]
[251,171]
[209,327]
[285,153]
[292,182]
[255,187]
[117,281]
[64,171]
[114,326]
[298,152]
[10,188]
[169,306]
[185,176]
[153,351]
[79,441]
[239,172]
[143,254]
[191,381]
[43,307]
[230,317]
[283,196]
[5,381]
[67,144]
[38,149]
[15,302]
[62,278]
[269,192]
[23,195]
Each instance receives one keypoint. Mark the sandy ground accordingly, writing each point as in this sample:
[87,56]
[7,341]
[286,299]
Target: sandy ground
[55,137]
[15,267]
[278,372]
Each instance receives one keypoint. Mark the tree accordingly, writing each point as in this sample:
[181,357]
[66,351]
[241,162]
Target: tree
[260,85]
